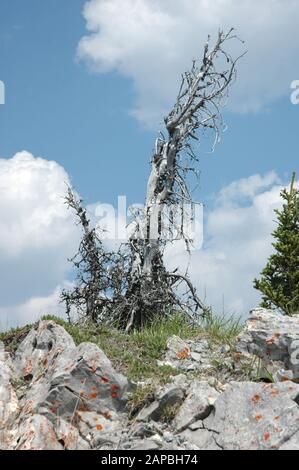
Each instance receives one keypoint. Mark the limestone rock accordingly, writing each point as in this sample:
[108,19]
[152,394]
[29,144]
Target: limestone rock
[37,433]
[170,395]
[272,337]
[253,416]
[64,379]
[100,429]
[41,349]
[61,385]
[197,406]
[9,404]
[69,437]
[56,396]
[178,348]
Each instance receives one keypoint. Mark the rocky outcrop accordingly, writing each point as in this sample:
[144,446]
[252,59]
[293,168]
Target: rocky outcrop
[198,405]
[169,396]
[187,356]
[275,339]
[250,416]
[246,415]
[56,395]
[69,392]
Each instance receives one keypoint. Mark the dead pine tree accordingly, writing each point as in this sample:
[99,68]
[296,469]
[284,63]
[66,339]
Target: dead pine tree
[92,264]
[146,289]
[203,92]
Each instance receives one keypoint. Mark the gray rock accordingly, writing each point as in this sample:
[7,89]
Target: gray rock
[41,350]
[254,416]
[71,391]
[198,405]
[195,426]
[144,444]
[69,437]
[225,349]
[201,438]
[169,396]
[188,356]
[36,433]
[199,346]
[168,436]
[57,396]
[177,348]
[283,375]
[182,381]
[152,411]
[291,444]
[98,429]
[141,430]
[272,337]
[196,356]
[9,403]
[67,379]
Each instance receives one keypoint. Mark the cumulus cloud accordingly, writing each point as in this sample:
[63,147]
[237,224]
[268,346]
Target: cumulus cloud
[33,309]
[153,41]
[37,235]
[237,243]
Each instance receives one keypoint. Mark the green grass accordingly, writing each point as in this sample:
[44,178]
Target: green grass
[140,397]
[14,337]
[136,354]
[223,329]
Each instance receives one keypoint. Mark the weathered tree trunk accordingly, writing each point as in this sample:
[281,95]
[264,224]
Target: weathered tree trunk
[138,287]
[197,108]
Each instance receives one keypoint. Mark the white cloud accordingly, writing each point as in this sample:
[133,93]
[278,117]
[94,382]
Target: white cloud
[153,41]
[33,309]
[37,235]
[237,243]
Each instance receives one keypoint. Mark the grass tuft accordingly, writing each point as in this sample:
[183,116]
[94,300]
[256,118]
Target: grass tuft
[136,354]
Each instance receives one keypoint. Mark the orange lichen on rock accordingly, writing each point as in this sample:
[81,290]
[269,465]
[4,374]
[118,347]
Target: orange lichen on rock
[28,368]
[284,378]
[255,399]
[258,417]
[83,407]
[99,427]
[266,436]
[270,341]
[184,354]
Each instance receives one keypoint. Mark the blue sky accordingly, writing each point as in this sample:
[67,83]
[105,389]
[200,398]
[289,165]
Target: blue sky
[78,111]
[57,109]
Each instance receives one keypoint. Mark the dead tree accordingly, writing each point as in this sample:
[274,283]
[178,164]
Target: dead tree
[203,91]
[92,263]
[140,287]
